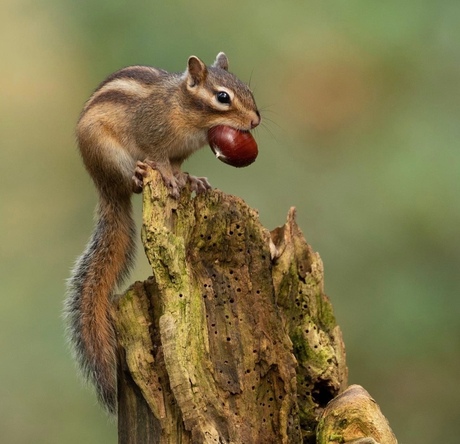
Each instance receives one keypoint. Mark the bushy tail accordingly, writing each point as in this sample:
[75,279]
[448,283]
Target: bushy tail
[103,265]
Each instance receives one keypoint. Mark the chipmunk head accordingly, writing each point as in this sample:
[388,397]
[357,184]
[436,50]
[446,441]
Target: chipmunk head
[220,95]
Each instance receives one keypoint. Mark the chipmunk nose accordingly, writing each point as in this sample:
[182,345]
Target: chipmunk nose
[256,121]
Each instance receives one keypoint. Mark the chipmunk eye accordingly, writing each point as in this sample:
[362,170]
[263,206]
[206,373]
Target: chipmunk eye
[223,97]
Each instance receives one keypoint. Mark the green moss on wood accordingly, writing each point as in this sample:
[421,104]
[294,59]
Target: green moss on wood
[243,342]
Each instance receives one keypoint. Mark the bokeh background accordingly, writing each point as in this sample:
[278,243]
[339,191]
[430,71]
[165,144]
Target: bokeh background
[361,107]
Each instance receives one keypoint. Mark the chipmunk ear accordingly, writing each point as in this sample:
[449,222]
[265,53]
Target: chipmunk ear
[196,71]
[221,61]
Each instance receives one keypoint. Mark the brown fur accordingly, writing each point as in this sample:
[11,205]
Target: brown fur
[137,114]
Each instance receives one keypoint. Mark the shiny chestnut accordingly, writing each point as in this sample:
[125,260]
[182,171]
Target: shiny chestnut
[234,147]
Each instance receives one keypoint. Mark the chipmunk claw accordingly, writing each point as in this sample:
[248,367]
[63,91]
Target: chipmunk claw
[199,184]
[140,172]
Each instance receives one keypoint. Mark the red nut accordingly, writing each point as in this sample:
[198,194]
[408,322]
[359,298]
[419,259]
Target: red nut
[234,147]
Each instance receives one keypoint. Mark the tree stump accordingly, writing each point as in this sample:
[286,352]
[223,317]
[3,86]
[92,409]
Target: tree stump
[232,340]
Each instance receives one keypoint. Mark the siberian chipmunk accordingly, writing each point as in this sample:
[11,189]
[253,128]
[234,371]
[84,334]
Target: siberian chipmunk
[139,115]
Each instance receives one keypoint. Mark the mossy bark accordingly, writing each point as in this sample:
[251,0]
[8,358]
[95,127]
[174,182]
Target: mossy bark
[354,417]
[232,340]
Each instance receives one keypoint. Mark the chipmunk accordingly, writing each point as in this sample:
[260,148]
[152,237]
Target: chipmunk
[138,116]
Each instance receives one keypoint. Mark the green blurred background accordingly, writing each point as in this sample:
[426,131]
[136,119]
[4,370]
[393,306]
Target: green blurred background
[361,107]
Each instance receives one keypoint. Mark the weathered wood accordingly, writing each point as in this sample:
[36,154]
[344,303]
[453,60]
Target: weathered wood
[233,339]
[136,422]
[354,417]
